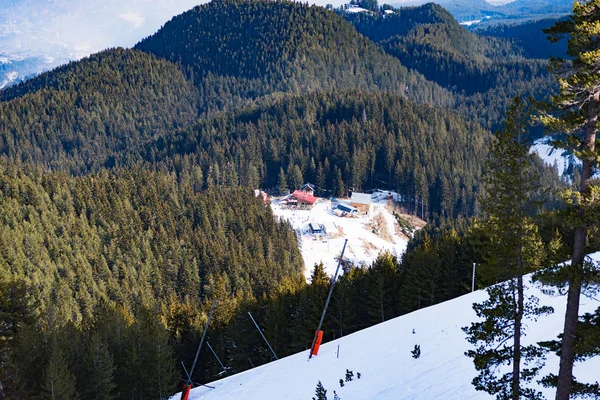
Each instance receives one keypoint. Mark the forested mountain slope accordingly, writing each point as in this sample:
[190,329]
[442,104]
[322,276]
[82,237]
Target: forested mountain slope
[252,48]
[82,115]
[126,177]
[344,140]
[96,112]
[529,36]
[136,236]
[484,72]
[429,40]
[513,11]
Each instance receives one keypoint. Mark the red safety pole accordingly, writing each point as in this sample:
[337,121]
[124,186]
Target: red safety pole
[314,343]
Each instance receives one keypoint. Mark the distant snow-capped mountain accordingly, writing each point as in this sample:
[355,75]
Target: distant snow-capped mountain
[36,35]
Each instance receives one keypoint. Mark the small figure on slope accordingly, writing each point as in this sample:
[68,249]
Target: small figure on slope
[358,375]
[335,396]
[416,353]
[320,392]
[349,375]
[341,383]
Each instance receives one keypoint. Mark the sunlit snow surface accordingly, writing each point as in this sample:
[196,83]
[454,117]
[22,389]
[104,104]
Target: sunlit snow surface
[382,355]
[558,158]
[550,155]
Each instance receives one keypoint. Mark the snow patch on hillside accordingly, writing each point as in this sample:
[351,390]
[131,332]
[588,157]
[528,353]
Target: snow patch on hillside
[475,21]
[558,158]
[9,78]
[499,2]
[550,155]
[382,355]
[368,235]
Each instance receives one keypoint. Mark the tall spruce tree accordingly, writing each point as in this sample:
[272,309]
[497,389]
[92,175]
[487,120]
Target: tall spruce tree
[59,381]
[512,249]
[574,112]
[320,392]
[382,289]
[98,371]
[282,182]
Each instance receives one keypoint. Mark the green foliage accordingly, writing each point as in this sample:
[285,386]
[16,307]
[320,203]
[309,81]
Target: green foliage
[136,236]
[587,345]
[512,249]
[282,183]
[494,353]
[529,36]
[416,352]
[139,238]
[511,182]
[574,113]
[436,268]
[59,381]
[98,375]
[320,392]
[145,223]
[346,149]
[82,115]
[488,70]
[268,47]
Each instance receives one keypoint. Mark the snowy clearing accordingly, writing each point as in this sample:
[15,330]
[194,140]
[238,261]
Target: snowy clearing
[367,236]
[551,156]
[469,23]
[382,355]
[559,158]
[9,78]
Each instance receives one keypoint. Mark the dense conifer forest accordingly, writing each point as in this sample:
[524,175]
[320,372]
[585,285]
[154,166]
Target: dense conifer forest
[484,72]
[127,178]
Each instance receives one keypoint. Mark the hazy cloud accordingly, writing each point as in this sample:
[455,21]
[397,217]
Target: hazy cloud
[136,19]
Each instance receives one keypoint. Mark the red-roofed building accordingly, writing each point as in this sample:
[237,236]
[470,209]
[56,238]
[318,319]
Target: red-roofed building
[304,198]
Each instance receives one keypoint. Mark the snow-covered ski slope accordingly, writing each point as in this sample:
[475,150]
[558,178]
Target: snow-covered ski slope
[382,355]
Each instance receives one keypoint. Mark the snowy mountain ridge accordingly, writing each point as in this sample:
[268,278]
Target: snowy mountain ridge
[382,354]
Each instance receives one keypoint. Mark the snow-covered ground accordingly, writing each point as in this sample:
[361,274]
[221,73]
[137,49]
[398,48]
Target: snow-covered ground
[382,355]
[9,78]
[367,235]
[551,156]
[356,10]
[469,23]
[558,158]
[475,21]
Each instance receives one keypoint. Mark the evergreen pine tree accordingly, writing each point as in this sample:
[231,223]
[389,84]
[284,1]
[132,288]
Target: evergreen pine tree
[59,381]
[282,183]
[295,178]
[98,371]
[383,284]
[512,250]
[416,352]
[339,189]
[320,392]
[575,112]
[349,375]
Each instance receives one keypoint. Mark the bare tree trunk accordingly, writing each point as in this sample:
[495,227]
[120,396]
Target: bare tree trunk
[381,301]
[567,356]
[516,389]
